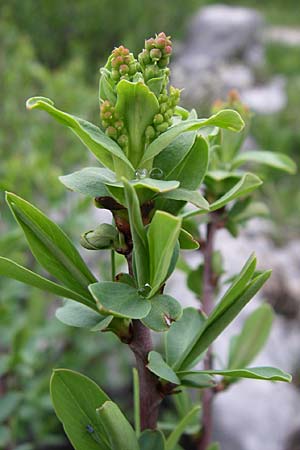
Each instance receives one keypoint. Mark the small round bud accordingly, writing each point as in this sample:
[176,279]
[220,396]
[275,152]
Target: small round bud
[123,140]
[102,237]
[163,108]
[158,118]
[111,132]
[167,50]
[162,127]
[163,62]
[115,75]
[119,124]
[155,54]
[149,43]
[150,132]
[124,69]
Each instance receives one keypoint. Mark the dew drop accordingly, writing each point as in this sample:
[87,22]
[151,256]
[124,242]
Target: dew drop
[156,173]
[145,290]
[141,173]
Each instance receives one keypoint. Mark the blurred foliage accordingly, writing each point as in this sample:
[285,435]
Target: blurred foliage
[91,28]
[281,132]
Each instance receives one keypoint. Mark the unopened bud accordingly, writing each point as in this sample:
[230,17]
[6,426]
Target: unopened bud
[150,132]
[111,132]
[101,238]
[162,127]
[155,54]
[123,140]
[158,118]
[124,69]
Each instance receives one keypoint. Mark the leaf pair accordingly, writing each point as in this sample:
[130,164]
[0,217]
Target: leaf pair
[90,419]
[124,301]
[132,98]
[53,250]
[153,248]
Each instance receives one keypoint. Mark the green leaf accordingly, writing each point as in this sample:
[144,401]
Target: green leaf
[162,236]
[120,300]
[227,119]
[198,381]
[192,169]
[137,106]
[258,373]
[139,236]
[176,434]
[120,432]
[89,181]
[13,270]
[181,335]
[252,338]
[75,399]
[96,141]
[145,188]
[50,246]
[185,195]
[164,311]
[221,317]
[160,368]
[273,159]
[187,241]
[248,183]
[236,288]
[152,440]
[175,153]
[77,315]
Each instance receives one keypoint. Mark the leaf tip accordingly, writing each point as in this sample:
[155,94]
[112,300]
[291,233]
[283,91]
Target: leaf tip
[34,102]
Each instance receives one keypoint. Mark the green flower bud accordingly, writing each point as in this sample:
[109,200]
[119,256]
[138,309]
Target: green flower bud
[155,54]
[123,69]
[151,71]
[158,118]
[163,62]
[102,237]
[164,107]
[111,132]
[119,124]
[168,114]
[162,127]
[115,75]
[149,43]
[150,132]
[123,140]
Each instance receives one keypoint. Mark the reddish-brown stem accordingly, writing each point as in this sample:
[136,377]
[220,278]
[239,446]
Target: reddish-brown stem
[150,395]
[207,305]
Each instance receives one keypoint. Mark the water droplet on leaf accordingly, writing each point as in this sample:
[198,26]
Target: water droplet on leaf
[145,290]
[141,173]
[156,173]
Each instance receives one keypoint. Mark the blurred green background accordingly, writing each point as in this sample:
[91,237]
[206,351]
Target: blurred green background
[55,48]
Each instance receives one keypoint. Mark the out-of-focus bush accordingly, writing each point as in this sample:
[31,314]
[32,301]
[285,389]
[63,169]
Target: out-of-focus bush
[58,29]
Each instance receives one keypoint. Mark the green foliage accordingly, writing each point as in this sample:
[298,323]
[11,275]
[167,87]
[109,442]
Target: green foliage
[150,197]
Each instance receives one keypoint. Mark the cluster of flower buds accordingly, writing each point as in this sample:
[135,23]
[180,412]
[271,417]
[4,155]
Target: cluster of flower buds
[233,102]
[113,124]
[156,54]
[122,63]
[163,119]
